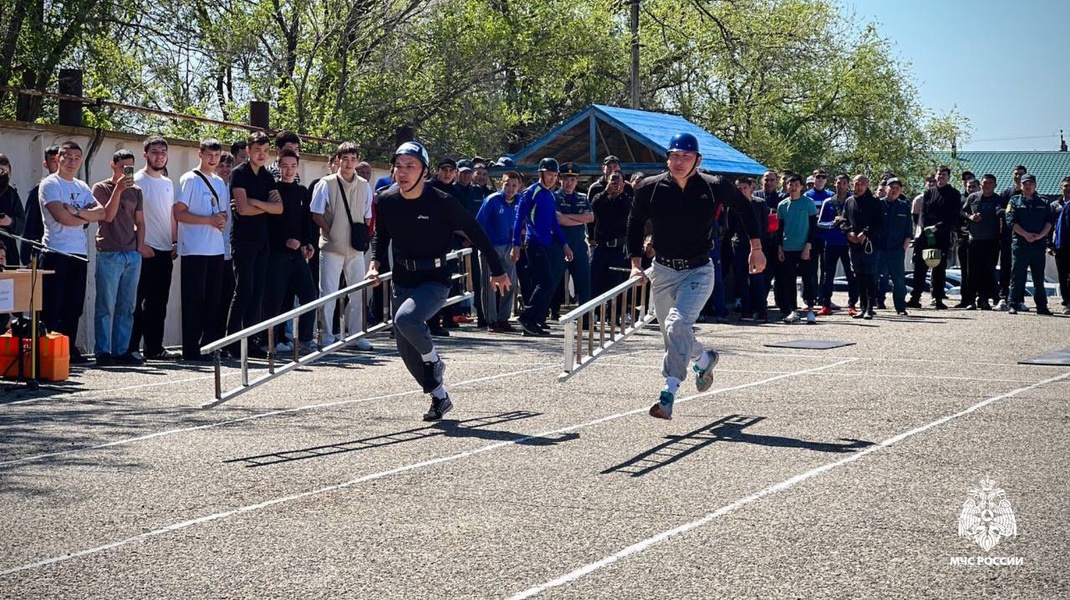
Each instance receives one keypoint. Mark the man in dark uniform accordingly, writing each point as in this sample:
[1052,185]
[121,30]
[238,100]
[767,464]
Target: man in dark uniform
[445,182]
[471,197]
[573,214]
[1030,219]
[1006,237]
[682,205]
[611,207]
[420,222]
[896,232]
[772,197]
[862,222]
[984,214]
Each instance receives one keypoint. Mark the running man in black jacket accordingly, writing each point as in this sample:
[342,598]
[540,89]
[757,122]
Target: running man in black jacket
[420,221]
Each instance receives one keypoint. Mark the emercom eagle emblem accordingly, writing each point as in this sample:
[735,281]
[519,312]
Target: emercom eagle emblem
[986,516]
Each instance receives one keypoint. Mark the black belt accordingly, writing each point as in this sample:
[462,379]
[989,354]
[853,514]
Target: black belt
[613,243]
[420,264]
[682,264]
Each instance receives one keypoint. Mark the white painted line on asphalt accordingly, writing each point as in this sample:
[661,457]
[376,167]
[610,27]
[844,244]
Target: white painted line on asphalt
[825,374]
[228,372]
[769,491]
[272,413]
[395,471]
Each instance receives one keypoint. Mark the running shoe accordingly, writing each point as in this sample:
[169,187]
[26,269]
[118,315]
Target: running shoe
[704,377]
[663,408]
[439,407]
[824,312]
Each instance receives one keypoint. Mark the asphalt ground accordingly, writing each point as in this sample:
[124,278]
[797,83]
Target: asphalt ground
[800,474]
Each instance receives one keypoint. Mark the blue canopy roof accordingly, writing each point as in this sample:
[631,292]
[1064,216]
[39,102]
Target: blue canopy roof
[638,138]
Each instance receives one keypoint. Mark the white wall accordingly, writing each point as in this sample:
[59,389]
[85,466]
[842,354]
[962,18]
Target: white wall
[24,144]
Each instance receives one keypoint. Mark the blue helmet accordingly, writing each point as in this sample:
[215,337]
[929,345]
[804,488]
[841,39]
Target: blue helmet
[412,149]
[683,142]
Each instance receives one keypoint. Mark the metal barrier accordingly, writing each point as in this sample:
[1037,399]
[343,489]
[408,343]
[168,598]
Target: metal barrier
[463,276]
[621,311]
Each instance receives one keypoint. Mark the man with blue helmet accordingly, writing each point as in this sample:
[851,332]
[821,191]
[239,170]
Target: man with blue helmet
[420,222]
[681,206]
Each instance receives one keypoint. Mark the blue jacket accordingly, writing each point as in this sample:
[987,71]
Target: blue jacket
[496,217]
[827,228]
[536,212]
[1062,223]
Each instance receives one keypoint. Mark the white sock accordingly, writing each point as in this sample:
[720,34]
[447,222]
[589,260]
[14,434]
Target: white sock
[703,360]
[671,385]
[431,356]
[440,392]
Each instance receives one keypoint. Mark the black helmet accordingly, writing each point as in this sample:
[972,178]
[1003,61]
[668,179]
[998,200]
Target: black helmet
[550,165]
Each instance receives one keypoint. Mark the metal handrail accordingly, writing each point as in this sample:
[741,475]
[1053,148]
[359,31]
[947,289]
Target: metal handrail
[242,337]
[634,294]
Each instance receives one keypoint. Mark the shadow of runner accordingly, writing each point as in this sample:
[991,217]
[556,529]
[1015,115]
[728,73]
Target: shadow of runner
[469,428]
[726,429]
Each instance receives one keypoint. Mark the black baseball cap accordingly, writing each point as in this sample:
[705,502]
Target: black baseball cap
[464,165]
[446,162]
[1029,177]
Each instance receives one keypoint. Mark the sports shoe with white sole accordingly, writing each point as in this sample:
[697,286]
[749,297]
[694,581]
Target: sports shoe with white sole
[663,408]
[811,318]
[793,317]
[704,377]
[439,407]
[363,344]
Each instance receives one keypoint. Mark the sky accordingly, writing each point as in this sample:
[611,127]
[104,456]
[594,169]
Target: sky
[1003,64]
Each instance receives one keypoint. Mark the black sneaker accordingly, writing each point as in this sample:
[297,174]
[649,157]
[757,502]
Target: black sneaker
[938,305]
[901,313]
[439,332]
[1012,310]
[105,359]
[1043,310]
[439,407]
[77,358]
[914,303]
[881,305]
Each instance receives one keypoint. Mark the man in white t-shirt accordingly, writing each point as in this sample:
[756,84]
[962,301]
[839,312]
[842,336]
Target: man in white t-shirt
[202,209]
[161,234]
[67,206]
[337,255]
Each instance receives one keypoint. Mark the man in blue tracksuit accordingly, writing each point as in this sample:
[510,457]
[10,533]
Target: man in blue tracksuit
[819,193]
[834,239]
[1030,219]
[897,229]
[496,217]
[537,214]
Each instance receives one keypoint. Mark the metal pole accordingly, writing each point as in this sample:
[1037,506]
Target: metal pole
[635,55]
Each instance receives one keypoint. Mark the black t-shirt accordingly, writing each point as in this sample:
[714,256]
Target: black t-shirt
[251,229]
[294,221]
[422,228]
[683,220]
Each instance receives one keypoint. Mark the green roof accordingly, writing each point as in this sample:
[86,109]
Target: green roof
[1049,167]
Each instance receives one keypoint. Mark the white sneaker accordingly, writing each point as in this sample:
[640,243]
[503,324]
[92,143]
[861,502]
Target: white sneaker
[363,344]
[329,338]
[1002,305]
[1022,307]
[811,318]
[793,317]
